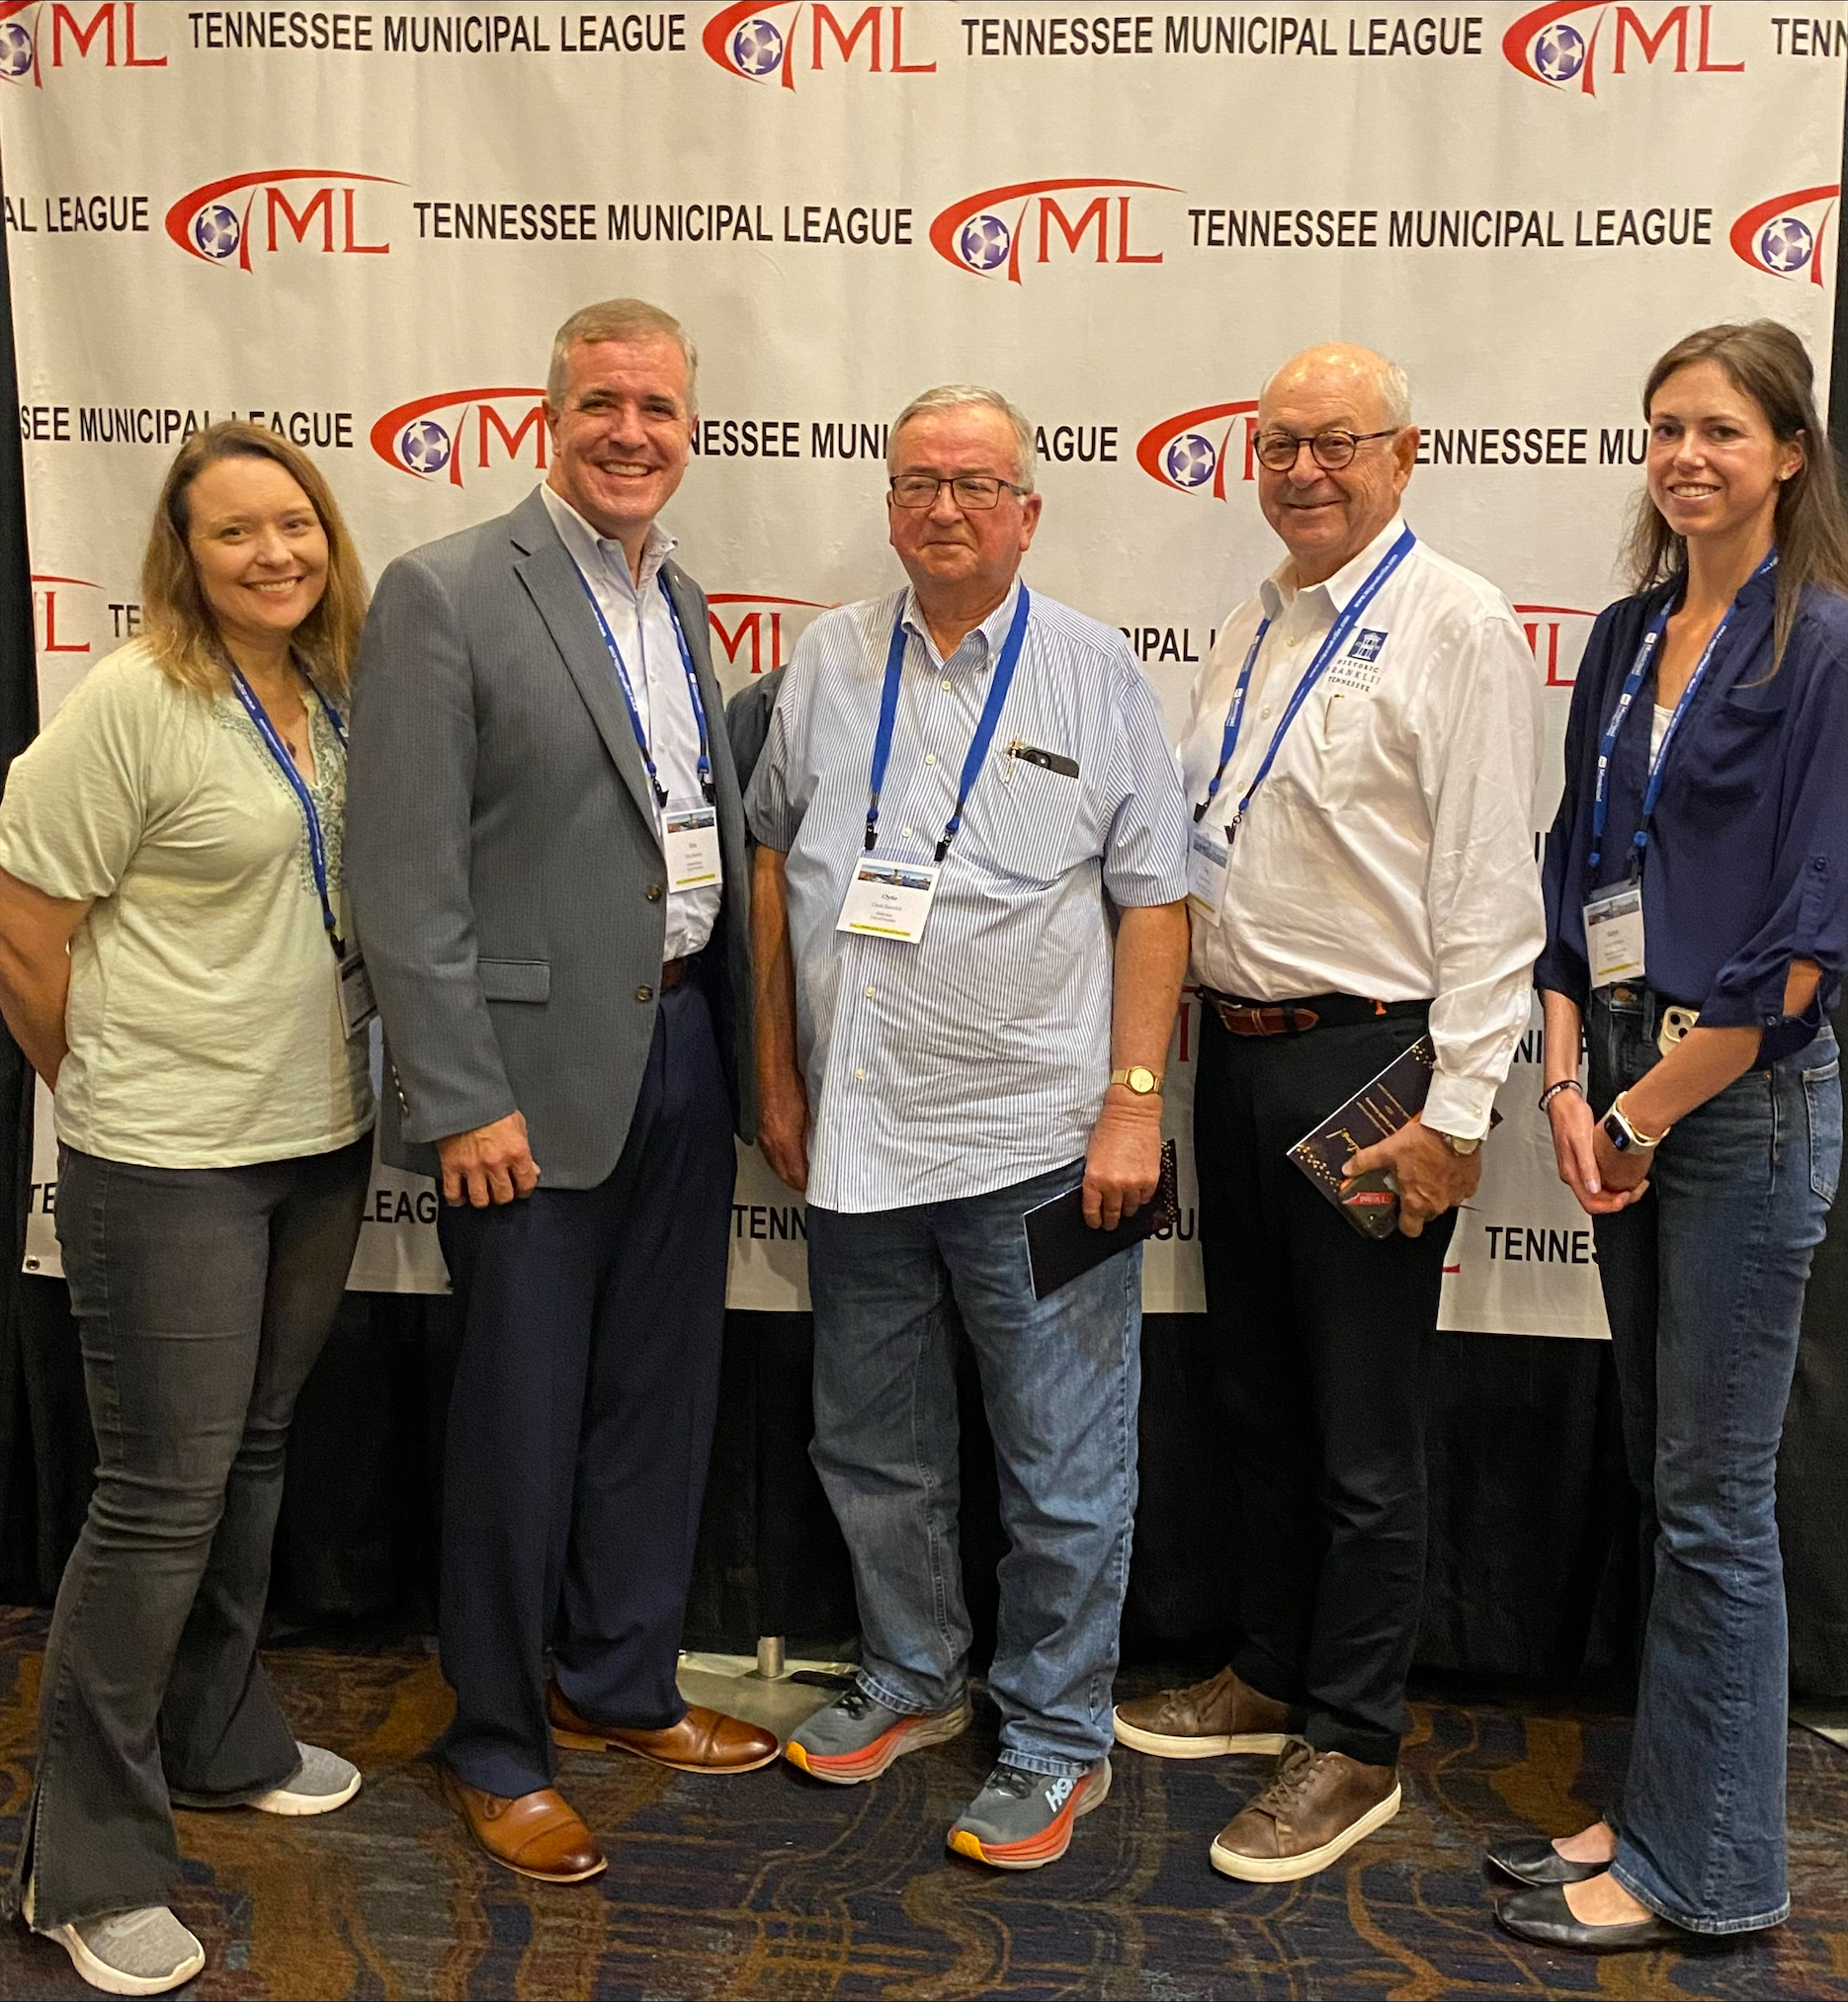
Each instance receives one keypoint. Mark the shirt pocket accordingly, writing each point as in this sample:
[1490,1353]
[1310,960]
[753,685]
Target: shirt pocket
[1027,821]
[1734,751]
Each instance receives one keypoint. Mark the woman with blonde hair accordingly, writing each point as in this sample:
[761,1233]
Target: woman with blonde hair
[175,963]
[1696,916]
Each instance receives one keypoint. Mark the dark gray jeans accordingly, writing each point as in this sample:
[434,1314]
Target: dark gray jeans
[204,1295]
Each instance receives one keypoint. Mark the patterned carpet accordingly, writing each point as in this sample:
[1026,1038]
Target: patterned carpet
[772,1885]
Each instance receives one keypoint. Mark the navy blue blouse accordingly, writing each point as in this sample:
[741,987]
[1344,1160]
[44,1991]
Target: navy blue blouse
[1747,861]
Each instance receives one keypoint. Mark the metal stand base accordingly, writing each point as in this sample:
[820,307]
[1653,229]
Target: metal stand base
[770,1659]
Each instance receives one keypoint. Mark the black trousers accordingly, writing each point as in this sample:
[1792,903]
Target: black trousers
[1317,1336]
[581,1422]
[203,1297]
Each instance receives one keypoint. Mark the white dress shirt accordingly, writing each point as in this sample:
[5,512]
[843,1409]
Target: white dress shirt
[643,630]
[1390,853]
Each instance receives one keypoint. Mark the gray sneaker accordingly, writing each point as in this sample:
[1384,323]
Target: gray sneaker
[856,1737]
[321,1783]
[144,1952]
[1021,1820]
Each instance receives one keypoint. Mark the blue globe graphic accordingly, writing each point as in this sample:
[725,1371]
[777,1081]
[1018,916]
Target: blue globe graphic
[15,49]
[424,446]
[1786,243]
[1559,52]
[1190,459]
[757,47]
[984,242]
[215,230]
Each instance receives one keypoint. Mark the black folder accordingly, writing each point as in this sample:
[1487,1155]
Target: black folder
[1061,1245]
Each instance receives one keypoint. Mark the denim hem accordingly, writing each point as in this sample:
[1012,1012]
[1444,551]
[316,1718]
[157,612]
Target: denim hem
[1711,1928]
[885,1693]
[1048,1765]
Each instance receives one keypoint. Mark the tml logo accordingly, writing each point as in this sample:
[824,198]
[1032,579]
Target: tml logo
[1191,452]
[1556,635]
[762,39]
[212,225]
[429,437]
[45,598]
[26,25]
[1557,46]
[985,233]
[1785,236]
[759,624]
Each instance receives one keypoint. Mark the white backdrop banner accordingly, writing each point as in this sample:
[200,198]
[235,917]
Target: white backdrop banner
[360,224]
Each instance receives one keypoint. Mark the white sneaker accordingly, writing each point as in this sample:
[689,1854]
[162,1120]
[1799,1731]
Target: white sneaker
[144,1952]
[323,1782]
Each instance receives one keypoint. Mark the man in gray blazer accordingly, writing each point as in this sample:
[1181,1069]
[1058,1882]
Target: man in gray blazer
[545,856]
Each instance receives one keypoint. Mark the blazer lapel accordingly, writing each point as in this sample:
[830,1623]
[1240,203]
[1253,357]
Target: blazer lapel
[552,582]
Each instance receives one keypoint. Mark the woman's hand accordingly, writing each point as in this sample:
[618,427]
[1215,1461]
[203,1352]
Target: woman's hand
[1603,1180]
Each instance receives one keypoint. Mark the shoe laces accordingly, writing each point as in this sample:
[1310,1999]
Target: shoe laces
[1293,1778]
[1013,1780]
[854,1703]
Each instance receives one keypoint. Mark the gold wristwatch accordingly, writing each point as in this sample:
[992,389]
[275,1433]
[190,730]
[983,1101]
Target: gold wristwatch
[1457,1145]
[1139,1079]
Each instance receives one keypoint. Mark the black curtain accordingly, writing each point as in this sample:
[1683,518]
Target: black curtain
[1532,1569]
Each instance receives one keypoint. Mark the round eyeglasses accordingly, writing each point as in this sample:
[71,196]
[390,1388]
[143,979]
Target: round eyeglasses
[1331,450]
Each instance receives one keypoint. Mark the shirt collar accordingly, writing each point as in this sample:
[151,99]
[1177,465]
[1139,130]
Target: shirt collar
[590,551]
[992,631]
[1280,590]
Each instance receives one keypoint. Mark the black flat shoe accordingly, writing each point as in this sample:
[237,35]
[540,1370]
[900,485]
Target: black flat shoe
[1545,1919]
[1539,1862]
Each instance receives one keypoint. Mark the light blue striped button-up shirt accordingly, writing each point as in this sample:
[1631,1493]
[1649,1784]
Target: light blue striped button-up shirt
[979,1056]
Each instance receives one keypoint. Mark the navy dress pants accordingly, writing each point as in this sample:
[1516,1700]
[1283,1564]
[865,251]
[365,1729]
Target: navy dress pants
[581,1421]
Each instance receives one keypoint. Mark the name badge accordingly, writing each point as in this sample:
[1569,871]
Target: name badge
[690,843]
[890,900]
[357,1005]
[1614,936]
[1209,864]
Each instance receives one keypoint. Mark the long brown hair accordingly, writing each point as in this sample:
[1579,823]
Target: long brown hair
[176,618]
[1766,362]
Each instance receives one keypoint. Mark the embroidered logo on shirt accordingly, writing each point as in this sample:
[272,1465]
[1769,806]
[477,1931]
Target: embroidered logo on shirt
[1366,643]
[1359,668]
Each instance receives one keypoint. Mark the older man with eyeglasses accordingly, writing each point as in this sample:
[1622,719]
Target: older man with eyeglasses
[1360,769]
[960,777]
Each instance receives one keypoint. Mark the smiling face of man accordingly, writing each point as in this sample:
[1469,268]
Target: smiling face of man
[950,551]
[1325,517]
[622,433]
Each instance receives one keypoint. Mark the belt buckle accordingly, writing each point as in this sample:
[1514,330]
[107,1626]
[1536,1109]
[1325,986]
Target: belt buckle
[1673,1026]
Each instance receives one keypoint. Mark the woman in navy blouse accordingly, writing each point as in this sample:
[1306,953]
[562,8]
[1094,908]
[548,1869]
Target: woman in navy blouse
[1696,905]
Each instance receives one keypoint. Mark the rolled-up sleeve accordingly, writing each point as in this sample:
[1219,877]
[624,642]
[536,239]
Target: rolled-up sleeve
[1145,851]
[1805,902]
[1482,895]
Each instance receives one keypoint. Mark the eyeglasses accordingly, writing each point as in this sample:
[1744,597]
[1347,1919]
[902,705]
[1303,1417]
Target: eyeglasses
[1331,450]
[974,491]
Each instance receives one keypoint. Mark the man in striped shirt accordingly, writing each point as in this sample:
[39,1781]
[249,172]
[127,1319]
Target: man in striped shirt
[943,1046]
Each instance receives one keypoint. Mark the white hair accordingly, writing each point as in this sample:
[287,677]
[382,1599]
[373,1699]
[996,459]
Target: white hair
[957,396]
[1390,382]
[618,319]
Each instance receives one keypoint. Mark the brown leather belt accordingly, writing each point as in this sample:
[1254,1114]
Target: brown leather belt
[1313,1011]
[673,972]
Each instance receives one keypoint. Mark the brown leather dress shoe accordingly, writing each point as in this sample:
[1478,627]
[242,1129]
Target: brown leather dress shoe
[704,1741]
[1218,1716]
[538,1834]
[1318,1807]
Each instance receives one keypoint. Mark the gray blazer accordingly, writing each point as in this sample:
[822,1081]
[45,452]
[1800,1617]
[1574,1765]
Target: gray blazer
[506,880]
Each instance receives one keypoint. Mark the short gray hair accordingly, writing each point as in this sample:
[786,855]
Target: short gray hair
[957,397]
[1389,381]
[619,320]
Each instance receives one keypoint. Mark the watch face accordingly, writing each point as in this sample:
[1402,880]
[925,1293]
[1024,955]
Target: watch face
[1614,1134]
[1141,1080]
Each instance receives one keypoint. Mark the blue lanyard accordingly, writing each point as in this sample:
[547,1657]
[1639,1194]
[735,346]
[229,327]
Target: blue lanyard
[998,685]
[1607,744]
[629,693]
[1345,623]
[317,844]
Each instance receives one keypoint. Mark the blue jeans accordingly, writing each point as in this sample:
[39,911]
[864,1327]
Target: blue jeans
[1060,1382]
[1704,1285]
